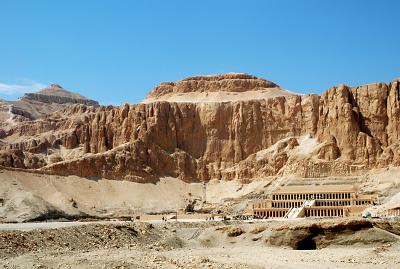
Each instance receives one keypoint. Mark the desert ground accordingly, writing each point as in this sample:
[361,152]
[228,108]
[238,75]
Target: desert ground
[338,243]
[67,222]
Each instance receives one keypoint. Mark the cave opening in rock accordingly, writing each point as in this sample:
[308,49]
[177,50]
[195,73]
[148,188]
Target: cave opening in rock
[306,244]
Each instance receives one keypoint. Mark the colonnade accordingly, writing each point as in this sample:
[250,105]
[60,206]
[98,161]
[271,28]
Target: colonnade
[333,203]
[309,212]
[307,196]
[261,204]
[362,202]
[270,213]
[286,204]
[391,213]
[324,212]
[326,204]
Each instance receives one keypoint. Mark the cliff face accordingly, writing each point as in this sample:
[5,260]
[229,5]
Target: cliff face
[231,82]
[344,131]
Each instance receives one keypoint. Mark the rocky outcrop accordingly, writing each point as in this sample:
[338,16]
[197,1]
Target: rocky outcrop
[232,87]
[56,94]
[37,105]
[345,131]
[232,82]
[323,234]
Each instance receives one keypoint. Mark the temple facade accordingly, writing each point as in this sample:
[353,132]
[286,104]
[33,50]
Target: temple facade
[313,201]
[392,212]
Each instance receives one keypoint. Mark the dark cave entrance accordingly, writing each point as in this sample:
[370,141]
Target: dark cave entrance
[306,244]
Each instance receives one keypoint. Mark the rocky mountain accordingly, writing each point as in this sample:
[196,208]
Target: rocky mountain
[216,88]
[33,106]
[232,126]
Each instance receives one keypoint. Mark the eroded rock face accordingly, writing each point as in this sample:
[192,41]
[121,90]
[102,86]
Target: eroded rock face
[232,82]
[345,131]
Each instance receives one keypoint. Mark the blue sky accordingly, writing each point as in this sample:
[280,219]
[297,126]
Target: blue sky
[117,51]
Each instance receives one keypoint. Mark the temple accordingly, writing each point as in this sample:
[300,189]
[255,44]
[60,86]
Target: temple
[391,212]
[313,201]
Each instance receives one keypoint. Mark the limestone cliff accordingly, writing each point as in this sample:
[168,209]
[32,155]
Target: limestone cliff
[344,131]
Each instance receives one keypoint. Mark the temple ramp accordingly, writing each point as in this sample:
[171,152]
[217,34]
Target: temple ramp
[299,212]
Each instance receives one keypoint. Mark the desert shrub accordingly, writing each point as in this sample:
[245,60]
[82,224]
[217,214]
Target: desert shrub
[234,231]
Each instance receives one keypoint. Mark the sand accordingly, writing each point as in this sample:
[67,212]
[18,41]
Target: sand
[27,196]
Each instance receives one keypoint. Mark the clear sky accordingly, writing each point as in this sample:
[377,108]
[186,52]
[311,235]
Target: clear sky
[117,51]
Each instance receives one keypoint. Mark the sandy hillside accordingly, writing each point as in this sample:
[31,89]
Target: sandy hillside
[28,196]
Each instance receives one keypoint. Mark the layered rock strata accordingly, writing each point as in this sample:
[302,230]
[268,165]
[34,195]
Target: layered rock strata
[345,131]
